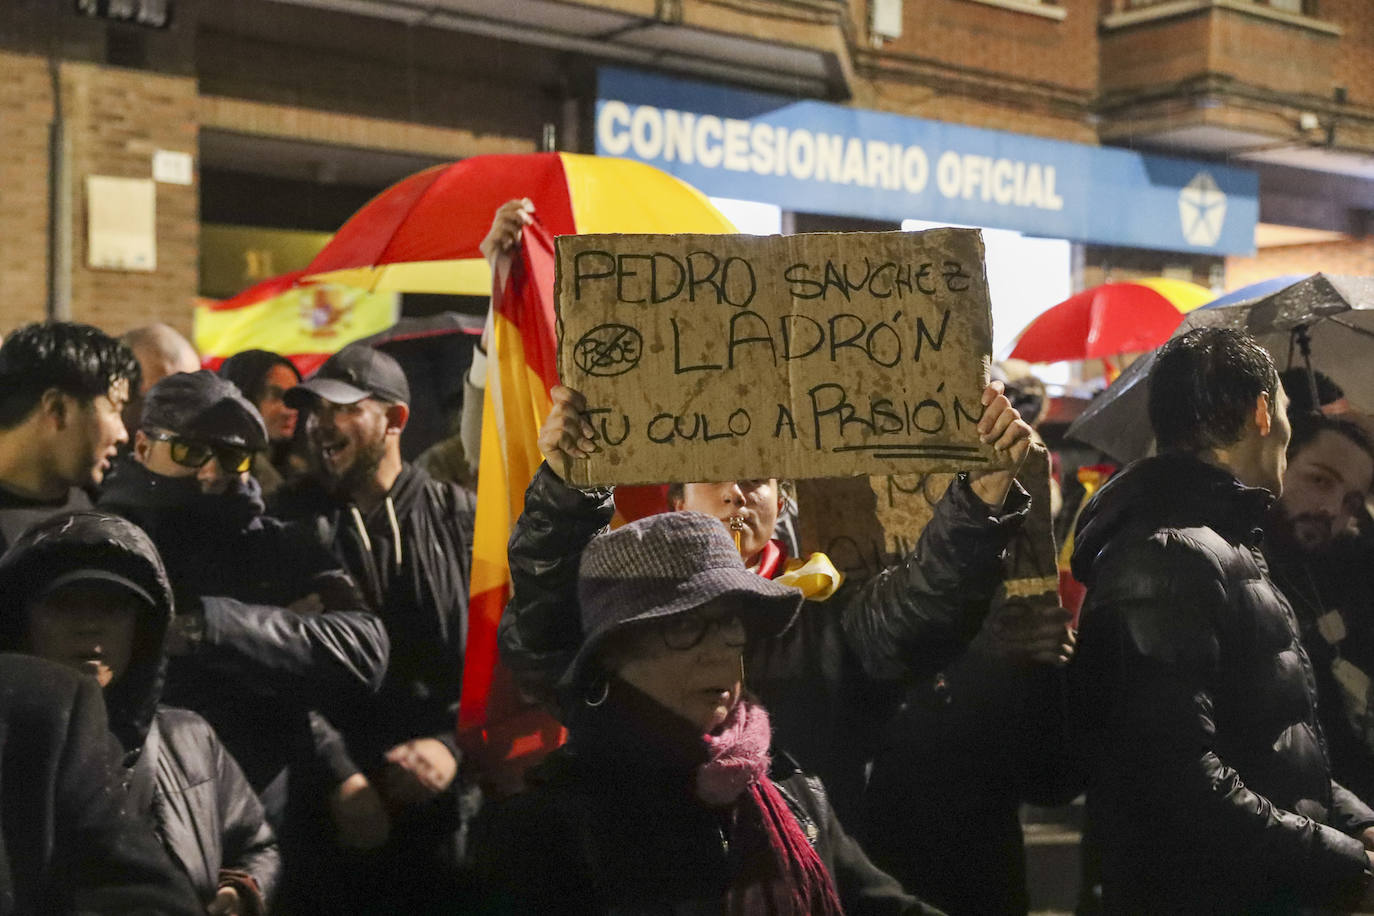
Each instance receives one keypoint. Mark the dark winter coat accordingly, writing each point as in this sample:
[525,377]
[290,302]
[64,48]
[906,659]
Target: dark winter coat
[941,809]
[257,668]
[1332,594]
[833,679]
[420,593]
[181,777]
[610,825]
[69,840]
[1208,783]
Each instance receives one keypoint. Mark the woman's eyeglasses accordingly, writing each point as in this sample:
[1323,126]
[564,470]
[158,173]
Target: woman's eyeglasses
[232,458]
[686,631]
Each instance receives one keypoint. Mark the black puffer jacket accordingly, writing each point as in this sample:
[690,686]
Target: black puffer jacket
[610,826]
[69,841]
[834,678]
[257,668]
[184,781]
[1208,783]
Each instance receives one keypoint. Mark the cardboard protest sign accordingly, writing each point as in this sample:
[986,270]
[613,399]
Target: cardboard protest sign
[867,524]
[722,357]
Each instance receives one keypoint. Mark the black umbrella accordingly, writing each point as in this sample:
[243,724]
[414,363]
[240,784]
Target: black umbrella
[1321,322]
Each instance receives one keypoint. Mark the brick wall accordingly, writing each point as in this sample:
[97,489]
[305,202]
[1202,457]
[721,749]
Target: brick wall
[972,63]
[966,34]
[114,120]
[919,101]
[117,118]
[1257,52]
[1351,64]
[1284,58]
[25,113]
[1353,256]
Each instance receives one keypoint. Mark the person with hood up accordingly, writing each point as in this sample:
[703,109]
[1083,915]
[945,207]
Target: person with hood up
[264,378]
[88,591]
[668,796]
[270,634]
[1209,787]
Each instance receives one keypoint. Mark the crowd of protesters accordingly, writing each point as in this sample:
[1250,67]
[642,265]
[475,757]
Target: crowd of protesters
[261,610]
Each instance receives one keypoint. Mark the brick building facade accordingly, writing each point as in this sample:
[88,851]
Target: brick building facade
[296,112]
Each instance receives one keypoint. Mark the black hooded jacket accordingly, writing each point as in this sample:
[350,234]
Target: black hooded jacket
[412,557]
[181,777]
[1208,782]
[257,667]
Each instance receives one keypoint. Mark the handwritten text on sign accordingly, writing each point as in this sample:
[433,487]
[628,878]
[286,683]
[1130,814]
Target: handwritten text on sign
[719,357]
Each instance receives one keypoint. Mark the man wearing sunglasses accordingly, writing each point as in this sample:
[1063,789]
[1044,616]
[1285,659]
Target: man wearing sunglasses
[270,634]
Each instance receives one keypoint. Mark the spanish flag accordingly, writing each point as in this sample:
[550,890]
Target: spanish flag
[305,322]
[519,377]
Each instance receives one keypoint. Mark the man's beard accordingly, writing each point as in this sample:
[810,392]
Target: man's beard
[1307,534]
[363,468]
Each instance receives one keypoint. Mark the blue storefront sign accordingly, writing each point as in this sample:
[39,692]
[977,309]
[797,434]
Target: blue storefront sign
[816,157]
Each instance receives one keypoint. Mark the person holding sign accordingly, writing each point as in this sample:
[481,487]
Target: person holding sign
[831,679]
[670,796]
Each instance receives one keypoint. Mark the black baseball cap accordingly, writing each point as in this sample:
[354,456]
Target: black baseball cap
[357,371]
[203,407]
[91,575]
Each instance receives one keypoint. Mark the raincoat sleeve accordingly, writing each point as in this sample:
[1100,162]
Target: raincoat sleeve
[312,657]
[540,630]
[338,648]
[1159,667]
[912,618]
[252,861]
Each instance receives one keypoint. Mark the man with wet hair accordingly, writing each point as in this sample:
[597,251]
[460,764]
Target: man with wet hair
[1209,787]
[62,389]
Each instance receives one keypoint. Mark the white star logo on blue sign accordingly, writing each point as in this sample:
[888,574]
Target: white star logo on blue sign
[1202,210]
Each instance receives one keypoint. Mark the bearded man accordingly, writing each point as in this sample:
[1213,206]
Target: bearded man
[407,540]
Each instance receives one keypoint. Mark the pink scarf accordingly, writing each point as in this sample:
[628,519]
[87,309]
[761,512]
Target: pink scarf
[780,874]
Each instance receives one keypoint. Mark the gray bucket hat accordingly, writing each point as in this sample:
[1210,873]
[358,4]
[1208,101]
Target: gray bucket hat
[665,565]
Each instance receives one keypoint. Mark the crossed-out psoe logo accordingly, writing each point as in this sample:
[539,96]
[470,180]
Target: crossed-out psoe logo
[1202,210]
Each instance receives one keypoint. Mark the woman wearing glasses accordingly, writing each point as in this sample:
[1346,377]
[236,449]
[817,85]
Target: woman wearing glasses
[667,797]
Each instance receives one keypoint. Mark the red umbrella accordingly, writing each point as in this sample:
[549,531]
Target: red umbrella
[1106,320]
[421,235]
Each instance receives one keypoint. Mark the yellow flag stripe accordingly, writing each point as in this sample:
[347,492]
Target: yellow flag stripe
[307,319]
